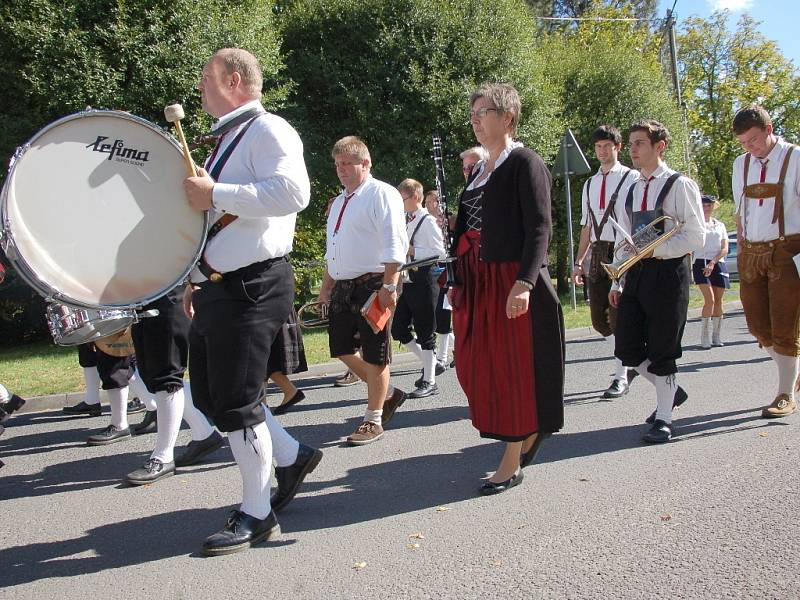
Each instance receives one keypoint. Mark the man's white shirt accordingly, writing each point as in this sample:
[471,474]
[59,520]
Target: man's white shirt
[428,239]
[613,178]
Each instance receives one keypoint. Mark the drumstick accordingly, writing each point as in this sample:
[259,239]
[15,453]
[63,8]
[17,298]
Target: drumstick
[174,114]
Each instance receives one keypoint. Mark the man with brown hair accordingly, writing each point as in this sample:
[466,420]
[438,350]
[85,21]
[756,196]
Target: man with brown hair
[653,302]
[766,190]
[368,214]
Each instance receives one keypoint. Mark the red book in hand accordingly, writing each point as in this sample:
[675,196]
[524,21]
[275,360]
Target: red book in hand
[375,314]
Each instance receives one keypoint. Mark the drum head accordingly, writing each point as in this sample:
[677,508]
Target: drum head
[95,211]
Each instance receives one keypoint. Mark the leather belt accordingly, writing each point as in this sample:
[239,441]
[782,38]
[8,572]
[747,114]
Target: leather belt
[217,277]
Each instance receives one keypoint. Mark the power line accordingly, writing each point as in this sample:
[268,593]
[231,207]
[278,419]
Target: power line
[595,19]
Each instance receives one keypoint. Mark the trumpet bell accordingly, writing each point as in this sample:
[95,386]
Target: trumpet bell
[313,315]
[645,240]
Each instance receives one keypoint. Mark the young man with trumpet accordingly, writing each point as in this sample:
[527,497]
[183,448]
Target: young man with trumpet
[766,189]
[241,291]
[652,303]
[368,214]
[603,197]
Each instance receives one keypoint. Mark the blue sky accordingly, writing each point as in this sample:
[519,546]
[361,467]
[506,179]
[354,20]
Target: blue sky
[779,18]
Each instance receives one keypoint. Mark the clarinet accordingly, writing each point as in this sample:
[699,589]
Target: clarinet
[438,161]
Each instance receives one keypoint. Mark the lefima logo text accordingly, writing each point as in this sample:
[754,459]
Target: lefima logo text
[118,149]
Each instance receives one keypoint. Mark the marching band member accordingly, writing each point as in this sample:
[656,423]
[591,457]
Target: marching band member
[242,289]
[417,303]
[652,305]
[603,195]
[506,315]
[368,214]
[444,326]
[768,224]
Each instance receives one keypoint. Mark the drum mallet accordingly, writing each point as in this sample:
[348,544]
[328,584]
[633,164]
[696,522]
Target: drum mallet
[174,114]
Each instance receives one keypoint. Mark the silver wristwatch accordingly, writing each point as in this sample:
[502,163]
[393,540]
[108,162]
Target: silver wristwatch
[390,287]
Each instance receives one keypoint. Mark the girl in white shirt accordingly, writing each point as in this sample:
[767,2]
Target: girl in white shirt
[711,274]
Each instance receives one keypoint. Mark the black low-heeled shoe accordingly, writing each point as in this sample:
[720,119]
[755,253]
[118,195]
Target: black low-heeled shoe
[529,456]
[680,397]
[490,488]
[282,408]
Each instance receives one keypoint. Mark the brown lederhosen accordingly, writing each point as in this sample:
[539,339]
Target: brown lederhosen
[770,285]
[604,316]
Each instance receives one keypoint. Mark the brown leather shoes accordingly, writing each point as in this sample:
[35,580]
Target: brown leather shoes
[366,433]
[391,404]
[782,406]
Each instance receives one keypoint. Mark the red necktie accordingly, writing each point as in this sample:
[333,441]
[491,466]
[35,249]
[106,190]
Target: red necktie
[763,177]
[341,212]
[644,196]
[603,193]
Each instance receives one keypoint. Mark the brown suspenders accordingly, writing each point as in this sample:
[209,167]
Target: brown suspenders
[769,190]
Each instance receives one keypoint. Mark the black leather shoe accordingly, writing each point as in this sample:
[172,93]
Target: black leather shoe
[81,408]
[14,404]
[659,433]
[617,389]
[241,531]
[419,381]
[529,456]
[195,450]
[110,435]
[632,374]
[440,368]
[282,408]
[147,425]
[392,404]
[289,478]
[152,471]
[680,397]
[425,389]
[136,406]
[490,489]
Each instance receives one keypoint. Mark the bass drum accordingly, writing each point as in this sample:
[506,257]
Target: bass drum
[94,214]
[72,326]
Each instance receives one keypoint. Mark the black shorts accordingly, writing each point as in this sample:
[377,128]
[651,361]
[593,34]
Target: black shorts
[348,330]
[114,371]
[719,276]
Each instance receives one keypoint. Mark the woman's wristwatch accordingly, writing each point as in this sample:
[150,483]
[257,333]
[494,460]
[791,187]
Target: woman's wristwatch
[390,287]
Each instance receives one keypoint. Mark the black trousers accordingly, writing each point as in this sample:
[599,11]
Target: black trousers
[162,344]
[652,314]
[114,371]
[417,306]
[234,325]
[443,315]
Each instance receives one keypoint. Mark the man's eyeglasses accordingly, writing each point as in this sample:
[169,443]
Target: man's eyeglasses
[481,112]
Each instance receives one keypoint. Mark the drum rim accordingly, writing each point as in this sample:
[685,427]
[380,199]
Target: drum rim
[128,316]
[9,246]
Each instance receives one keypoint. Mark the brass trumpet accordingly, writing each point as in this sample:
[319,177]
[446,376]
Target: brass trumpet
[639,246]
[313,315]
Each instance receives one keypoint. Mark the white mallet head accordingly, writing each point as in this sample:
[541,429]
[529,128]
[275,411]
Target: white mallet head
[173,113]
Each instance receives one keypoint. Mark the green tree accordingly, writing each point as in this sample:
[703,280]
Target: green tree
[722,71]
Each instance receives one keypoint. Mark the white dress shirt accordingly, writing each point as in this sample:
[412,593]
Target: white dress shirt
[758,219]
[715,233]
[682,204]
[372,231]
[613,178]
[428,240]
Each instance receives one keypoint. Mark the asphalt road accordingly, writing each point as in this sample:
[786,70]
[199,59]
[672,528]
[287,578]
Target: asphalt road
[710,515]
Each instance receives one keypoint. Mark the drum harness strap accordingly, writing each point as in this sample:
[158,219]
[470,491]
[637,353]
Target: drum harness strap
[227,218]
[659,201]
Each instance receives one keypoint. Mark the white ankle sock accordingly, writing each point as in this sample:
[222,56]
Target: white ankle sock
[442,347]
[284,446]
[787,373]
[252,449]
[92,379]
[373,416]
[415,348]
[666,386]
[620,371]
[170,412]
[137,389]
[118,399]
[198,424]
[429,366]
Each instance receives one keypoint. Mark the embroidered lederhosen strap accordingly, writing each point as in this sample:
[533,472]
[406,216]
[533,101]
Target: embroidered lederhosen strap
[767,190]
[598,228]
[659,200]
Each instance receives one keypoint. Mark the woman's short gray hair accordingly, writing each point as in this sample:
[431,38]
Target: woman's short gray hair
[503,97]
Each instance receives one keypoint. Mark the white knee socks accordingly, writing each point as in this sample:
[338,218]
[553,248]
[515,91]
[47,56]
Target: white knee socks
[137,389]
[415,348]
[92,379]
[787,371]
[620,370]
[170,412]
[429,366]
[198,424]
[252,449]
[666,386]
[118,399]
[443,347]
[284,446]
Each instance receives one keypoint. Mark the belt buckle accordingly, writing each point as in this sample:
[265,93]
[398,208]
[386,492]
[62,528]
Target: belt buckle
[215,277]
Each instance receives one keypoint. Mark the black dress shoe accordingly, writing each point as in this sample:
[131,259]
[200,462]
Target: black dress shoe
[147,425]
[425,389]
[490,489]
[152,471]
[14,404]
[282,408]
[529,456]
[136,406]
[289,478]
[440,368]
[680,397]
[659,433]
[195,450]
[240,531]
[392,404]
[109,435]
[81,408]
[617,389]
[632,374]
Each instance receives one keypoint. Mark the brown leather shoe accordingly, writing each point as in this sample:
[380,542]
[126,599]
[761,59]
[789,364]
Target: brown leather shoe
[366,433]
[782,406]
[391,404]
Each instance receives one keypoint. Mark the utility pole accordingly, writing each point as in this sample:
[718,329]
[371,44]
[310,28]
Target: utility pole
[676,83]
